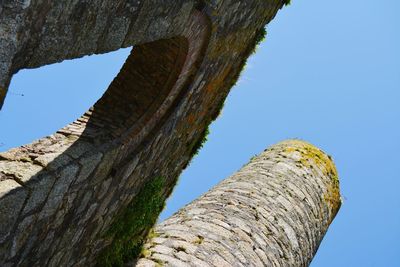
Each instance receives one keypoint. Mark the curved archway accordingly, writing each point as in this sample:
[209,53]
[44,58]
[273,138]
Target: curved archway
[65,189]
[139,89]
[60,194]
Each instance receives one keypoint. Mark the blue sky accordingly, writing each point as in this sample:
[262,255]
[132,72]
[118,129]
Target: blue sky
[328,73]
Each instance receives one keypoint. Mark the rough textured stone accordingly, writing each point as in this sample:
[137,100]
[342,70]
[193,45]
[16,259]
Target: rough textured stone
[22,233]
[67,175]
[88,164]
[254,217]
[12,199]
[39,193]
[187,55]
[22,171]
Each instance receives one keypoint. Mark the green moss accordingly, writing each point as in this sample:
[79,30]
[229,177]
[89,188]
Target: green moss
[259,36]
[218,110]
[144,253]
[257,39]
[197,146]
[130,229]
[152,234]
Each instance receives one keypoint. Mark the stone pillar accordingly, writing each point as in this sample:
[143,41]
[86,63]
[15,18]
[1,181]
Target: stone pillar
[273,212]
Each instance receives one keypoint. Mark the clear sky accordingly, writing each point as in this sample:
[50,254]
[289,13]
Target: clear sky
[328,73]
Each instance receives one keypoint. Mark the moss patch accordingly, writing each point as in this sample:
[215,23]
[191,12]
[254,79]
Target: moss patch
[130,229]
[258,38]
[251,49]
[198,145]
[218,110]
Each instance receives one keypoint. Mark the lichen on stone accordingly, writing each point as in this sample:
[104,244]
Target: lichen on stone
[311,155]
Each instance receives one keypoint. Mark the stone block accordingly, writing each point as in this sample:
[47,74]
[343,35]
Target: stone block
[12,199]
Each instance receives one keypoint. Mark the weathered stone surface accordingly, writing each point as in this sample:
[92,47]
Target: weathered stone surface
[22,171]
[53,161]
[88,164]
[79,148]
[104,167]
[260,216]
[22,233]
[67,175]
[12,199]
[40,190]
[187,54]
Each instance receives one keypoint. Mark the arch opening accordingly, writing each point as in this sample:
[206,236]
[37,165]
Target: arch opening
[135,94]
[93,160]
[42,100]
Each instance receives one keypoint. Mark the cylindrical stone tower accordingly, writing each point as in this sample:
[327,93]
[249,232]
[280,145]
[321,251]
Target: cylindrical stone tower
[273,212]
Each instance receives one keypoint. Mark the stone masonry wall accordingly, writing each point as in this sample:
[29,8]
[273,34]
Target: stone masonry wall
[60,195]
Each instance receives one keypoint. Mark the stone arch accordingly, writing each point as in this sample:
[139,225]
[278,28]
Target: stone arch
[146,79]
[61,194]
[58,184]
[150,82]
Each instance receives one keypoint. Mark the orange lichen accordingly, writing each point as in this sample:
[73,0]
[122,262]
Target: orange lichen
[312,156]
[333,199]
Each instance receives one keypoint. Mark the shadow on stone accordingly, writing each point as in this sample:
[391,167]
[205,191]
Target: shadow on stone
[60,195]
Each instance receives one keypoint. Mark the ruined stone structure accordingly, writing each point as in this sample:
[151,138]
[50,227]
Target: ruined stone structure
[273,212]
[63,197]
